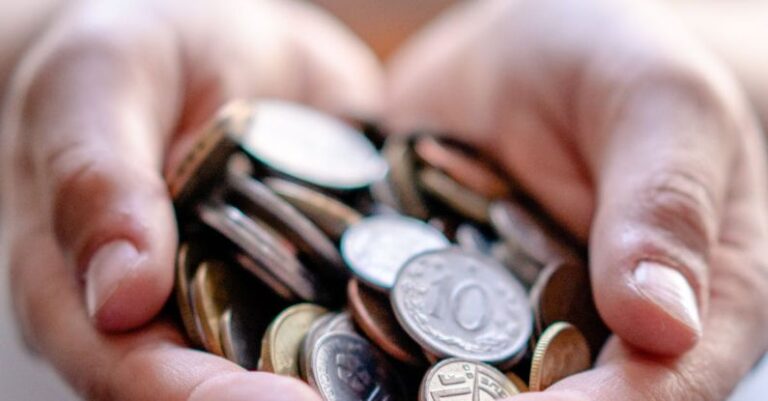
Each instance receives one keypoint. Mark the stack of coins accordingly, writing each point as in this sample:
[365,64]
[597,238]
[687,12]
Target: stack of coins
[413,270]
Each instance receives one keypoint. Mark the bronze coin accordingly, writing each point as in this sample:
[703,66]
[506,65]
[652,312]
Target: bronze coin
[373,313]
[563,292]
[330,215]
[457,197]
[471,172]
[561,351]
[517,381]
[257,200]
[197,170]
[402,176]
[212,289]
[187,261]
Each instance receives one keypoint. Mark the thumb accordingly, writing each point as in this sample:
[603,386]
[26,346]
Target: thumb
[92,128]
[662,180]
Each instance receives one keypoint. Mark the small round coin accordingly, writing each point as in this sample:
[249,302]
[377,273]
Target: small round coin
[187,261]
[212,290]
[461,304]
[449,192]
[561,351]
[377,247]
[399,153]
[373,314]
[465,380]
[311,146]
[282,341]
[346,367]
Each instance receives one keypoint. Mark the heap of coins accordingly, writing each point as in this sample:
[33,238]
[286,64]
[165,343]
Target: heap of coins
[373,269]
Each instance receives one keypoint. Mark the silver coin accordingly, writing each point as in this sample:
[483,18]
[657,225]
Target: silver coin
[377,247]
[465,380]
[460,304]
[312,146]
[346,367]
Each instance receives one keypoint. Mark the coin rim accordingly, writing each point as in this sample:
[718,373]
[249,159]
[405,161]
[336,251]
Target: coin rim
[542,347]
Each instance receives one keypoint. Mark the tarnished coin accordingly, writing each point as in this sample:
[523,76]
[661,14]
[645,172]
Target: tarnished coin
[346,367]
[188,258]
[282,341]
[457,197]
[563,292]
[376,247]
[373,314]
[458,379]
[330,215]
[311,146]
[523,232]
[402,177]
[467,170]
[273,263]
[257,199]
[196,172]
[456,303]
[560,352]
[213,287]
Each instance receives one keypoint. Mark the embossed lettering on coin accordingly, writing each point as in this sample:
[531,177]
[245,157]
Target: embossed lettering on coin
[458,379]
[456,303]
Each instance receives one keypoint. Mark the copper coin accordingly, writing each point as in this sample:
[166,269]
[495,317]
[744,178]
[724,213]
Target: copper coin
[330,215]
[311,146]
[469,171]
[465,380]
[373,313]
[197,170]
[560,352]
[563,292]
[258,200]
[402,177]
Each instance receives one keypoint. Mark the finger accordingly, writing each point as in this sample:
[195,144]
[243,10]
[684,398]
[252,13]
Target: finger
[148,364]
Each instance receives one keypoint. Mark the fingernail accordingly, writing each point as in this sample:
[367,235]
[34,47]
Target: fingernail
[106,270]
[668,288]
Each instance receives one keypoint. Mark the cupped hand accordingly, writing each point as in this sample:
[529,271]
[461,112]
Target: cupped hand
[637,140]
[101,104]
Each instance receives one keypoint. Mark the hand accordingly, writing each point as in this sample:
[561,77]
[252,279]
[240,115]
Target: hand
[111,93]
[638,142]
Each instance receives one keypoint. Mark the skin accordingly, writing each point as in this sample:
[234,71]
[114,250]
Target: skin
[106,100]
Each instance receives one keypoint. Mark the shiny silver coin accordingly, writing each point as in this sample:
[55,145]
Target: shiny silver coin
[311,146]
[460,304]
[377,247]
[346,367]
[328,323]
[273,262]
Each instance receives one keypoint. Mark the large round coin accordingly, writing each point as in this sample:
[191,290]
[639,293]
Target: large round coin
[345,367]
[311,146]
[465,380]
[461,304]
[377,247]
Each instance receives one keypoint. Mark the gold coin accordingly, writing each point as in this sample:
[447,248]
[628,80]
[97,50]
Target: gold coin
[459,198]
[211,296]
[465,380]
[185,270]
[282,341]
[329,214]
[517,381]
[560,352]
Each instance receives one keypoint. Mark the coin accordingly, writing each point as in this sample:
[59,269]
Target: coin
[402,177]
[376,247]
[331,322]
[563,292]
[330,215]
[471,239]
[282,341]
[524,232]
[560,352]
[311,146]
[187,261]
[212,289]
[257,199]
[273,263]
[465,380]
[467,170]
[517,381]
[456,303]
[346,367]
[199,168]
[372,312]
[524,267]
[457,197]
